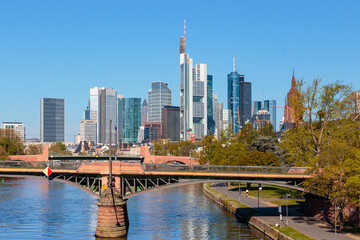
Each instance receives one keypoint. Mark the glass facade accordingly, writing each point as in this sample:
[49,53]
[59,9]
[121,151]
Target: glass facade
[130,114]
[159,96]
[171,123]
[52,120]
[103,107]
[270,106]
[210,113]
[233,100]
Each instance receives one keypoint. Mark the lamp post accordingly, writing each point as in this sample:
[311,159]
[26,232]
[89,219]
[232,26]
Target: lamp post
[259,189]
[287,210]
[110,162]
[328,133]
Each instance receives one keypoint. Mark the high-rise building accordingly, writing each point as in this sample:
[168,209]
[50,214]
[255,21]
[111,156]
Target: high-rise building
[210,113]
[130,114]
[144,112]
[159,96]
[52,120]
[193,91]
[239,99]
[18,127]
[257,105]
[152,131]
[103,108]
[171,123]
[270,106]
[88,130]
[357,102]
[226,119]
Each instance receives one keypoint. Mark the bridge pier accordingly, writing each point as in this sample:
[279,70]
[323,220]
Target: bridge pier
[113,221]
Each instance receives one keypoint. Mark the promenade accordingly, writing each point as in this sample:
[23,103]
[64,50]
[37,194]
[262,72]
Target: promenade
[269,213]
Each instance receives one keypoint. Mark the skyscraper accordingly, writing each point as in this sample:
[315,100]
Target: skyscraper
[144,112]
[130,113]
[239,99]
[103,107]
[159,96]
[193,94]
[52,120]
[171,123]
[152,131]
[270,106]
[210,108]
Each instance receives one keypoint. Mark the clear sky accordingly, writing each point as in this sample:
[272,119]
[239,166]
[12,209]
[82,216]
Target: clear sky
[63,48]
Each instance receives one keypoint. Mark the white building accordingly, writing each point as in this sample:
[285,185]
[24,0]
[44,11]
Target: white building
[226,118]
[193,95]
[103,107]
[88,130]
[18,127]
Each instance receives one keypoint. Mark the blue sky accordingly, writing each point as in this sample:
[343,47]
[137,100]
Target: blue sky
[63,48]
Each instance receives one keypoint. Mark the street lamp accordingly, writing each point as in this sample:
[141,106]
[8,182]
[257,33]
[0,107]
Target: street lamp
[328,133]
[259,189]
[287,211]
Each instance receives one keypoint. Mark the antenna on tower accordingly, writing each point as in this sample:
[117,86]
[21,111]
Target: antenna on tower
[185,32]
[234,63]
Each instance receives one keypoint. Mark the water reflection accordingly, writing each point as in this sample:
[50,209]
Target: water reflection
[35,209]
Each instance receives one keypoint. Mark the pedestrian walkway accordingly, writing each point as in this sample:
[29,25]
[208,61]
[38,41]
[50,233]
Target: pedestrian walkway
[269,213]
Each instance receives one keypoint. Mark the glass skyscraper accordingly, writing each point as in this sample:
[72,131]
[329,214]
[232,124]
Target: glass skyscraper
[210,108]
[239,100]
[103,107]
[270,106]
[52,120]
[129,113]
[158,96]
[171,123]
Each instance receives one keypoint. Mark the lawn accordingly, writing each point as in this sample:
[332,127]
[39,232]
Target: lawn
[293,233]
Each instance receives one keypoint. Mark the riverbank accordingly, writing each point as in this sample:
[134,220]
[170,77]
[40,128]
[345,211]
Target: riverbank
[244,213]
[268,213]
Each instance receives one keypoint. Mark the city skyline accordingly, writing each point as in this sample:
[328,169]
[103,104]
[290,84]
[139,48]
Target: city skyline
[62,54]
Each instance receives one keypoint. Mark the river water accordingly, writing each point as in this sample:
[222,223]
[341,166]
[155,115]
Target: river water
[36,209]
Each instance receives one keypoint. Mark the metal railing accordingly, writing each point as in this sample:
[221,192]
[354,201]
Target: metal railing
[223,169]
[40,165]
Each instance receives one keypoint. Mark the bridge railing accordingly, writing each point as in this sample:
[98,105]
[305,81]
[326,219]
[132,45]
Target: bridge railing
[40,165]
[222,169]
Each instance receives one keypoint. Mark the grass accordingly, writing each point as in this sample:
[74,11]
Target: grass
[293,233]
[291,202]
[268,191]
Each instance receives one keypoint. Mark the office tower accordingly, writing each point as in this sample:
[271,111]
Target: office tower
[18,127]
[210,118]
[52,120]
[239,99]
[193,91]
[88,130]
[87,111]
[144,112]
[256,107]
[130,113]
[103,106]
[159,96]
[171,123]
[152,131]
[270,106]
[226,119]
[141,134]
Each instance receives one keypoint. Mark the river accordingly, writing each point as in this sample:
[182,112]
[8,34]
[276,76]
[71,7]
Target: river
[36,209]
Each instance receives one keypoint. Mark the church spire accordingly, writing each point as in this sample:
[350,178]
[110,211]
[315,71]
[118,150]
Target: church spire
[293,81]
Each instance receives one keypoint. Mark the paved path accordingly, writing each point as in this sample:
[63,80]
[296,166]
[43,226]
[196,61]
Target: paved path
[270,214]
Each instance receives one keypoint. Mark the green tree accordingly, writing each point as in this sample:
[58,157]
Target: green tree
[11,143]
[34,149]
[335,175]
[59,147]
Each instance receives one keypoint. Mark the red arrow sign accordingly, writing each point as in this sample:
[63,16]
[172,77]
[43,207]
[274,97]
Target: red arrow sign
[47,171]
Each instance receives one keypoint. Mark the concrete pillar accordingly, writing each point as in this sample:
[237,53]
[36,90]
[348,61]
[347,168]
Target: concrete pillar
[113,221]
